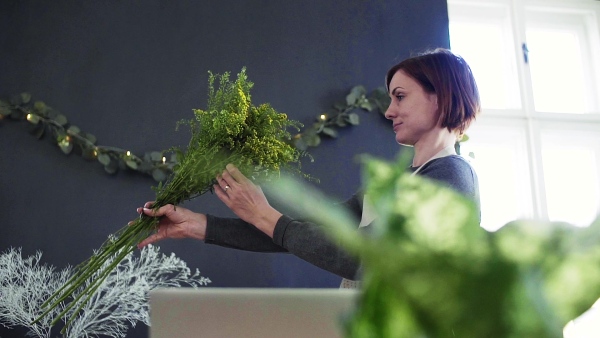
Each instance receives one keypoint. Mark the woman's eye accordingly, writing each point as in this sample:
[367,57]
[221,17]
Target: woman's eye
[399,97]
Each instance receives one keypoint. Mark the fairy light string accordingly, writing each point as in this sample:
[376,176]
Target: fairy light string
[159,164]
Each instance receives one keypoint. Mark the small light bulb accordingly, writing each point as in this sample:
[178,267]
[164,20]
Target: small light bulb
[164,159]
[28,117]
[68,138]
[323,117]
[128,153]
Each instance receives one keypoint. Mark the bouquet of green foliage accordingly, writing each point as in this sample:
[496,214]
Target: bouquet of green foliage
[230,130]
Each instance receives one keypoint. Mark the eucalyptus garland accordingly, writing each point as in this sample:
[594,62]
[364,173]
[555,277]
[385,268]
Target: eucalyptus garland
[343,114]
[230,130]
[69,138]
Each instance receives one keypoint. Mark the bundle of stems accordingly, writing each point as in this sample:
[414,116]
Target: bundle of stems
[230,130]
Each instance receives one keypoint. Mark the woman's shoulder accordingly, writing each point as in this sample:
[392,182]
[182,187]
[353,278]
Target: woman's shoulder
[449,162]
[453,170]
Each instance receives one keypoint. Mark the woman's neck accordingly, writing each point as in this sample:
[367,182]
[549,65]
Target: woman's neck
[425,149]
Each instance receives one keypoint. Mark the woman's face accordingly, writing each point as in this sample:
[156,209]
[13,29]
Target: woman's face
[413,112]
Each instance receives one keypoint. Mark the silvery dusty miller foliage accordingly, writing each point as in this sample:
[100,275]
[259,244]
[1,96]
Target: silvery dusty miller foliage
[120,300]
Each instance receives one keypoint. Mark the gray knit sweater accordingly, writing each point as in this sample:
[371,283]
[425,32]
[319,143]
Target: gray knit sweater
[307,240]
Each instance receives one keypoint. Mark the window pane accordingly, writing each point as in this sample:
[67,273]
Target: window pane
[556,70]
[571,179]
[484,47]
[501,166]
[481,33]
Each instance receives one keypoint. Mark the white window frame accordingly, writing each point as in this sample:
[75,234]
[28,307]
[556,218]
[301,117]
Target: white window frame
[526,117]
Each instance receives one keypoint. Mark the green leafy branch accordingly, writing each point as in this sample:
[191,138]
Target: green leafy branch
[342,114]
[70,138]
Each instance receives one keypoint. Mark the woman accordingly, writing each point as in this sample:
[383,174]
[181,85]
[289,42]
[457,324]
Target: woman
[434,98]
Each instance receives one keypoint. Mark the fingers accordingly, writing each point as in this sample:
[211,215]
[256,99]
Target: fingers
[233,172]
[232,179]
[151,239]
[222,188]
[166,210]
[222,194]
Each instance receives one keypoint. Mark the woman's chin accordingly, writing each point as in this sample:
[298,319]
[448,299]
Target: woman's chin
[404,142]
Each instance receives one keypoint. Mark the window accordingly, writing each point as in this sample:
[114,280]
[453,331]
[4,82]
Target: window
[536,145]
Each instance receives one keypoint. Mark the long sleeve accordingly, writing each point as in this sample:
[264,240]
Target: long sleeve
[308,241]
[238,234]
[305,240]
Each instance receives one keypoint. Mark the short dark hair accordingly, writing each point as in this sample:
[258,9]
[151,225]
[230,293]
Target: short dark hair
[449,76]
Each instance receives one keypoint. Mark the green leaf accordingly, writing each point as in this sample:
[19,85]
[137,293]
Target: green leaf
[74,130]
[52,113]
[156,156]
[34,127]
[90,137]
[330,132]
[33,118]
[39,131]
[66,147]
[40,107]
[464,138]
[340,121]
[340,106]
[112,167]
[87,152]
[355,94]
[25,97]
[300,143]
[61,119]
[145,166]
[159,175]
[354,119]
[131,164]
[313,140]
[104,159]
[367,105]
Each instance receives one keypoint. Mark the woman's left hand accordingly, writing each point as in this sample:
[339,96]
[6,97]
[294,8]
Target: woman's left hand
[246,200]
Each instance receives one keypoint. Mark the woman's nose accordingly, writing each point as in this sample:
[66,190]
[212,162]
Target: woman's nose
[389,113]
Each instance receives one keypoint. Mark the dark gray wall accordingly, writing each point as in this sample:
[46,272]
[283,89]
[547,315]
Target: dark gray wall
[126,71]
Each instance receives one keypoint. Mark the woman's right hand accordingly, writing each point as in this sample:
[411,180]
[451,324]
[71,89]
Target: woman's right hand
[174,222]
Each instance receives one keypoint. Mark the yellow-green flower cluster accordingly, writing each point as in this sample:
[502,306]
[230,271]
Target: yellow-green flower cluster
[255,138]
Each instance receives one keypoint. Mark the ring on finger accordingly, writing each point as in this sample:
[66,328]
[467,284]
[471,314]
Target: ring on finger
[227,187]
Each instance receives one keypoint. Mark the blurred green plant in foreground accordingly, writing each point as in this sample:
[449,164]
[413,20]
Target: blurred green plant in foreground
[430,270]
